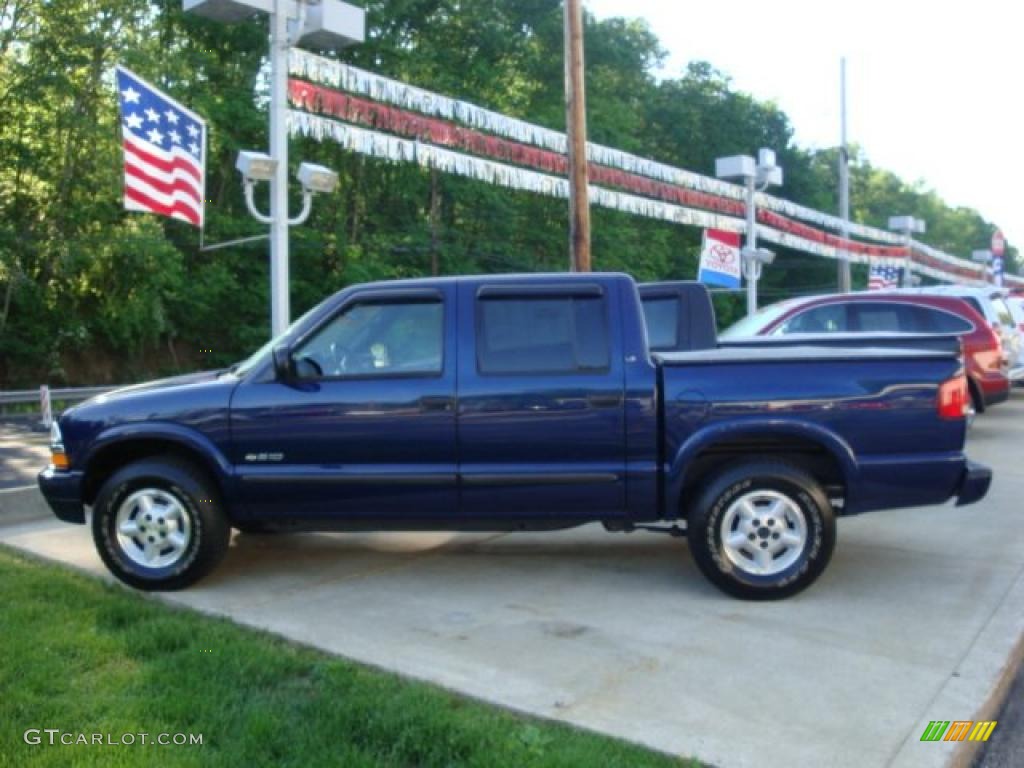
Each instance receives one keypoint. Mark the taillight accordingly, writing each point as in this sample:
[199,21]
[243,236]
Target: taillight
[953,400]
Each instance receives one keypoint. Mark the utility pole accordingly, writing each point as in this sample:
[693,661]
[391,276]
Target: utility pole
[576,129]
[844,183]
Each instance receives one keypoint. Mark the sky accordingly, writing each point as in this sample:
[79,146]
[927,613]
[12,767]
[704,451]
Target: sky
[934,89]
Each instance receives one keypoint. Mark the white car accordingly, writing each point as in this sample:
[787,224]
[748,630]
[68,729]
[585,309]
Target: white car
[994,306]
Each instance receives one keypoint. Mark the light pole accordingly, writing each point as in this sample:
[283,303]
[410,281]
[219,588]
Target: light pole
[908,226]
[844,184]
[762,172]
[321,23]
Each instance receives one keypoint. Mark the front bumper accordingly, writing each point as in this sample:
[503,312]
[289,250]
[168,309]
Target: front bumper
[974,484]
[63,492]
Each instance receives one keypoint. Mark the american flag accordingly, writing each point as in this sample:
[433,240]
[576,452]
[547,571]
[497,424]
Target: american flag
[882,277]
[164,152]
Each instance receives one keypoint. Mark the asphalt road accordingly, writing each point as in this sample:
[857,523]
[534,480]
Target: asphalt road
[1006,747]
[22,454]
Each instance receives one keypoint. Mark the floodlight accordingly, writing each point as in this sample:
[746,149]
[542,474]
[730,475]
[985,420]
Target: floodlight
[735,167]
[766,158]
[758,255]
[256,166]
[332,24]
[906,224]
[317,178]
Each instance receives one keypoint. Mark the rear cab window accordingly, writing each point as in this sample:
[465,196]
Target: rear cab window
[662,318]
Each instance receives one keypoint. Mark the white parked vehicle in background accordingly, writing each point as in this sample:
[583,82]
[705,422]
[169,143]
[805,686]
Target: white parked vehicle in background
[994,305]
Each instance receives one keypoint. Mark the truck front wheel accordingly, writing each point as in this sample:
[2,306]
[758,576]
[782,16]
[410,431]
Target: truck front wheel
[158,525]
[761,530]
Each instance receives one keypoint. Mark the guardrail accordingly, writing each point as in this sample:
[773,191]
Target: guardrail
[45,396]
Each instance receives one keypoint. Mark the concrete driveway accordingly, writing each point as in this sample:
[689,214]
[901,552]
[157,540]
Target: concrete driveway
[917,619]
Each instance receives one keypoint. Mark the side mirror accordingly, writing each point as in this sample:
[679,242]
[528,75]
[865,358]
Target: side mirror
[282,354]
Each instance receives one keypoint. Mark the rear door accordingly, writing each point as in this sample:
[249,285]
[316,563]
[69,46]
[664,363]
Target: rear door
[540,409]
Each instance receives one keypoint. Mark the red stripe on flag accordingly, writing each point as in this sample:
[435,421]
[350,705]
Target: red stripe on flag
[178,163]
[179,208]
[178,185]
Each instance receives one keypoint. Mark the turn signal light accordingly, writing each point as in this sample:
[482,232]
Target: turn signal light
[59,460]
[953,398]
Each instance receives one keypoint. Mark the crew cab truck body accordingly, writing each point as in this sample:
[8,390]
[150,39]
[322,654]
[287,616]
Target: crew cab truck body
[521,402]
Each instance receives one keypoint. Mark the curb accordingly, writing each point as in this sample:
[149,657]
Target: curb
[20,505]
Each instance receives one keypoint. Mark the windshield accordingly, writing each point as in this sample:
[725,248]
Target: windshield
[752,325]
[1002,311]
[261,354]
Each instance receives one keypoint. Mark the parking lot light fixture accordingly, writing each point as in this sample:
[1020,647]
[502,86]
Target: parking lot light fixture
[319,24]
[754,174]
[908,226]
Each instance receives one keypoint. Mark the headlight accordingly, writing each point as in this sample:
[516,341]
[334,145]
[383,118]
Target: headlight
[58,458]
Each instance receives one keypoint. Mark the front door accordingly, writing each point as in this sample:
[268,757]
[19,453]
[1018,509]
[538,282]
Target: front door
[367,428]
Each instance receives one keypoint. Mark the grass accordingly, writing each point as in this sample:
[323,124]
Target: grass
[88,657]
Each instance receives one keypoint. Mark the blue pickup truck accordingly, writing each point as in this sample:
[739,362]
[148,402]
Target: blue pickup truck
[517,402]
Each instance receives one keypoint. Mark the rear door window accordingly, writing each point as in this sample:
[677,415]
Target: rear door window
[947,322]
[889,317]
[543,335]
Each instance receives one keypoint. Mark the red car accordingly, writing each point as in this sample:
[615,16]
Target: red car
[881,312]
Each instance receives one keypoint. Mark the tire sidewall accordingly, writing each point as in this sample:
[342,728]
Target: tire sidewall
[113,494]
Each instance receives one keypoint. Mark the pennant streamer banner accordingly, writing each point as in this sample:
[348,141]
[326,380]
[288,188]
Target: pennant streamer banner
[380,117]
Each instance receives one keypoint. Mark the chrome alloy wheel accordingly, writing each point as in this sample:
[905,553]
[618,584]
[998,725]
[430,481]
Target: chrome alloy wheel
[763,532]
[153,528]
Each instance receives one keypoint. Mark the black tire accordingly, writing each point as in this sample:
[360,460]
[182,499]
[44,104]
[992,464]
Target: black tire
[169,480]
[757,481]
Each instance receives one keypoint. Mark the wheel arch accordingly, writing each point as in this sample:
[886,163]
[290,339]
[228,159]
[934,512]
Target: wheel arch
[823,454]
[121,446]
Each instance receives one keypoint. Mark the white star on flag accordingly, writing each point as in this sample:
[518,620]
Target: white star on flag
[175,137]
[193,148]
[172,117]
[155,136]
[134,120]
[131,96]
[152,115]
[193,131]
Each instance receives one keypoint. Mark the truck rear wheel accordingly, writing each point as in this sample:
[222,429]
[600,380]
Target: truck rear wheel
[762,530]
[158,524]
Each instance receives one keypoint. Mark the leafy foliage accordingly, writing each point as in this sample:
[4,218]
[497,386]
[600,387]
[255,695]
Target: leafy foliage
[90,294]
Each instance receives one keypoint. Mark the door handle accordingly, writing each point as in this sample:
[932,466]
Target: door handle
[438,403]
[605,400]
